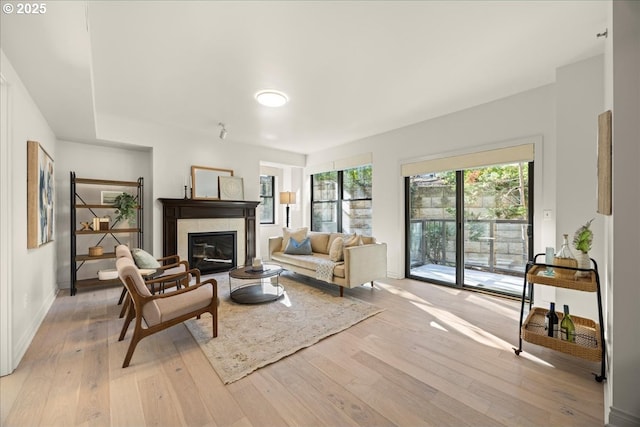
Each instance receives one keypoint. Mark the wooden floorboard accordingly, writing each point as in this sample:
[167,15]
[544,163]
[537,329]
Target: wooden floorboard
[435,356]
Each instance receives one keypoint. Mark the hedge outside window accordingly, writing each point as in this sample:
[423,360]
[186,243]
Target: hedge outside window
[341,201]
[267,184]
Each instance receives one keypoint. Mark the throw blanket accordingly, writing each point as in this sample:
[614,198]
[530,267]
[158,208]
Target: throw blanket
[324,270]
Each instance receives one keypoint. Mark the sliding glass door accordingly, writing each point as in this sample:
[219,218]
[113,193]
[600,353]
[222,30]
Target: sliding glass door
[432,237]
[470,227]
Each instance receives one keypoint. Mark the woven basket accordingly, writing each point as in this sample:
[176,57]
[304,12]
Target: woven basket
[96,251]
[587,345]
[564,273]
[537,274]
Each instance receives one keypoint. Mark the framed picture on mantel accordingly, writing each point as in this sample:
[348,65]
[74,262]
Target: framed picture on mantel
[205,182]
[231,188]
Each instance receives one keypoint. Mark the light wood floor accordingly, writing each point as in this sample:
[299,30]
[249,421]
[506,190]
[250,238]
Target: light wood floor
[435,357]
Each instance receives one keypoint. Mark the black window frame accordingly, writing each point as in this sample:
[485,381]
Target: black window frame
[272,197]
[339,200]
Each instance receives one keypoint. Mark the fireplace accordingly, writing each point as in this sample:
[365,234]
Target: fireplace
[181,217]
[212,252]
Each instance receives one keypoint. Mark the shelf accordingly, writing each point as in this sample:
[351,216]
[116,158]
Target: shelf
[536,274]
[106,182]
[587,345]
[80,192]
[590,340]
[85,257]
[83,206]
[88,283]
[109,231]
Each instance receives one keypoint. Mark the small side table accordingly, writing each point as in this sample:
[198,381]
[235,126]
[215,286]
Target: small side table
[257,286]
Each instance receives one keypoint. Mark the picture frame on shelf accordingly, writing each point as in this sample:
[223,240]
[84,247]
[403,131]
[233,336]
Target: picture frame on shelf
[108,197]
[40,196]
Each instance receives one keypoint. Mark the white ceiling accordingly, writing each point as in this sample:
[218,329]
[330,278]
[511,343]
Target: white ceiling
[351,68]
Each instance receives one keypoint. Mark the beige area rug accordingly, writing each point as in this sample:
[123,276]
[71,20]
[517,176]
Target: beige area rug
[253,336]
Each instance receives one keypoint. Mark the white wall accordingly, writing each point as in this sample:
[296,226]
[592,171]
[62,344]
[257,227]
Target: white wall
[565,111]
[176,150]
[579,100]
[623,228]
[98,162]
[30,286]
[288,178]
[528,114]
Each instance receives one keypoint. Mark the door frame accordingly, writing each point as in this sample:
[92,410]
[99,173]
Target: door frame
[459,221]
[6,243]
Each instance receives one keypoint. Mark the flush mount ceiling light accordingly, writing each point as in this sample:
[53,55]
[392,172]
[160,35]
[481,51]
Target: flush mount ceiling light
[271,98]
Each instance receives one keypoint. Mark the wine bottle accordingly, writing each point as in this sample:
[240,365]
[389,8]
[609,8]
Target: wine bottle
[551,321]
[567,328]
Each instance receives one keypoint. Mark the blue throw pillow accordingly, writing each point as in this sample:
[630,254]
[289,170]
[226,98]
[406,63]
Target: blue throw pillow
[298,248]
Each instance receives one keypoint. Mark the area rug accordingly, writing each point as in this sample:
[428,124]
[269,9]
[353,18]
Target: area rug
[253,336]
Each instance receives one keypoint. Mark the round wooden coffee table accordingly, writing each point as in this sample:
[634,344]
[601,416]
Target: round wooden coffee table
[255,286]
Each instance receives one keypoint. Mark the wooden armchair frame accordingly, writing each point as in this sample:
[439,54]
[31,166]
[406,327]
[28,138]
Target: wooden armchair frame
[163,275]
[139,301]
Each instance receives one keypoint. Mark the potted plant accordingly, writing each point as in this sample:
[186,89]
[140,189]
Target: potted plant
[126,207]
[582,240]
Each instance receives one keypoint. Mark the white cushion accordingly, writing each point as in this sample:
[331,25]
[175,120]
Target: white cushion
[335,252]
[319,242]
[107,274]
[353,240]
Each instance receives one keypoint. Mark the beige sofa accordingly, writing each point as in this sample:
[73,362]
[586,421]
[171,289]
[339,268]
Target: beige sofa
[363,263]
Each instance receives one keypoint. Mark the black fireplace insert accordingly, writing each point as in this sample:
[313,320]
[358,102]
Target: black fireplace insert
[212,252]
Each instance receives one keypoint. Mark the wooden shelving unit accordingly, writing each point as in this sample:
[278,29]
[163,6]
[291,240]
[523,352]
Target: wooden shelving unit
[590,343]
[78,193]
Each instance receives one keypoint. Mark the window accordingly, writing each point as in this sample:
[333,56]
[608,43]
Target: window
[266,195]
[341,201]
[471,227]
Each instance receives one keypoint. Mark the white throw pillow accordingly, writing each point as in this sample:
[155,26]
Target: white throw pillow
[299,235]
[335,252]
[353,240]
[144,259]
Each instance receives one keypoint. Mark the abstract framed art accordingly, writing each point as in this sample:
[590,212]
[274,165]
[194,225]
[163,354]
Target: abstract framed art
[40,196]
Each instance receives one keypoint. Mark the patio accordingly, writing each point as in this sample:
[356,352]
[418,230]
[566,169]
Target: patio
[495,282]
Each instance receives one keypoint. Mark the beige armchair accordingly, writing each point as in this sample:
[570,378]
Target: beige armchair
[171,271]
[161,311]
[169,266]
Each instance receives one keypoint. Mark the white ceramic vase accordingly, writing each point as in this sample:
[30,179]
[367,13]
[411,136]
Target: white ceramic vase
[584,261]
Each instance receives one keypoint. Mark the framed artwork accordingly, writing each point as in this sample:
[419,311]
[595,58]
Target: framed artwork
[40,196]
[231,188]
[109,197]
[604,163]
[205,182]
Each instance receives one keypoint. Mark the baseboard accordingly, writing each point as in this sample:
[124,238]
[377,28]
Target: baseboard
[391,275]
[619,418]
[25,340]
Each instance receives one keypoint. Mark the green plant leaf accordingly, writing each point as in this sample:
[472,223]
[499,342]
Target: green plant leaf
[126,207]
[583,237]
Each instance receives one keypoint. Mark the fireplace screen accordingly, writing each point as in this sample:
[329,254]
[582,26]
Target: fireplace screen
[212,252]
